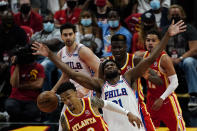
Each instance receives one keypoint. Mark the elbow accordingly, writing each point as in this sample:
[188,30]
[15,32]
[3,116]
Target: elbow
[176,84]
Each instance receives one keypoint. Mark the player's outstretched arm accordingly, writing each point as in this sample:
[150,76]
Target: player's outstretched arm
[99,103]
[150,74]
[82,79]
[140,69]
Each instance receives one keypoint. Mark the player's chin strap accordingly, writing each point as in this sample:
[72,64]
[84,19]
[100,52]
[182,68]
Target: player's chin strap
[114,107]
[171,87]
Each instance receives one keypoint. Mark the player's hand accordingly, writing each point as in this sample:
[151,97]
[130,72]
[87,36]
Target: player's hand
[176,60]
[40,49]
[176,28]
[146,74]
[134,119]
[157,104]
[53,90]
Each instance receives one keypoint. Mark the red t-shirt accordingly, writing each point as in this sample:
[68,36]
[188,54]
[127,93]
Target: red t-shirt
[27,73]
[34,21]
[62,18]
[87,120]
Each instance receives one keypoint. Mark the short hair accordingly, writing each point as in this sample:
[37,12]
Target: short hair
[109,60]
[113,10]
[154,32]
[119,37]
[67,26]
[66,86]
[180,8]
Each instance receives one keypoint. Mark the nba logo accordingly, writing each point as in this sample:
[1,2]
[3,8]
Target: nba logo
[87,112]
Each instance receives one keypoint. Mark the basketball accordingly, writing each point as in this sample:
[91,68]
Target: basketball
[47,101]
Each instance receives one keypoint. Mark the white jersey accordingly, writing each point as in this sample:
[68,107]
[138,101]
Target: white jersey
[74,61]
[122,94]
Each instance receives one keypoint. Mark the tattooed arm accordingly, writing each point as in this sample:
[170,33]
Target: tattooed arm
[99,103]
[63,123]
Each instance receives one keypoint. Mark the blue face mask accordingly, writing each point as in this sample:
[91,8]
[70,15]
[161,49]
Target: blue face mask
[86,22]
[155,4]
[48,27]
[113,24]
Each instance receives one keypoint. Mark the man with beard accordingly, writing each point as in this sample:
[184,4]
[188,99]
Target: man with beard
[115,87]
[128,61]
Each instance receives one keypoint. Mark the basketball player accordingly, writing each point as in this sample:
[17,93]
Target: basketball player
[115,87]
[127,61]
[162,102]
[78,57]
[82,114]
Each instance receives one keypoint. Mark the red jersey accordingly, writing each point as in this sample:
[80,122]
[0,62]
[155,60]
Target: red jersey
[152,88]
[87,120]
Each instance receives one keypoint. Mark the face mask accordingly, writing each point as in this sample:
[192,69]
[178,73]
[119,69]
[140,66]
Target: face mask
[155,4]
[48,27]
[86,22]
[176,18]
[71,4]
[25,9]
[113,24]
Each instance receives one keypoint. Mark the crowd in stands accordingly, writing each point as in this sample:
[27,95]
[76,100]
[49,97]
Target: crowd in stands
[23,22]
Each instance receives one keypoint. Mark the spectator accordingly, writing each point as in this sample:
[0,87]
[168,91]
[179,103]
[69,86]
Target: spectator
[182,49]
[147,22]
[133,22]
[26,79]
[160,13]
[144,5]
[112,27]
[50,36]
[3,7]
[88,33]
[100,8]
[10,36]
[70,14]
[124,7]
[28,17]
